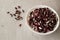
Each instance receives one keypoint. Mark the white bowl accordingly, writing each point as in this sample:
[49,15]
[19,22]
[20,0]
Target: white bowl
[42,6]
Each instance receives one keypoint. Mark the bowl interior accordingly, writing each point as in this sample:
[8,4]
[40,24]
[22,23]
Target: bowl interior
[42,6]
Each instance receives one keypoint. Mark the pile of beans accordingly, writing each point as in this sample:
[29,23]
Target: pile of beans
[42,20]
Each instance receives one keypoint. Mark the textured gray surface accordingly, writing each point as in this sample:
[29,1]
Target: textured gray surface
[9,29]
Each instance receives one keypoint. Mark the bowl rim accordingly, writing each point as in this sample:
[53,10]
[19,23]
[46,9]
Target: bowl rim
[42,6]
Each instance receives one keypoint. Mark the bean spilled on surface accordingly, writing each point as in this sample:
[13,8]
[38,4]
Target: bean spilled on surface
[17,14]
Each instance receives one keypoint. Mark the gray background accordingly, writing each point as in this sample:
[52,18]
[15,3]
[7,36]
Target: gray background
[9,29]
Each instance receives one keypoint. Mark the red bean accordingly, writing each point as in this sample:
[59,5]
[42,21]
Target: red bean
[43,19]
